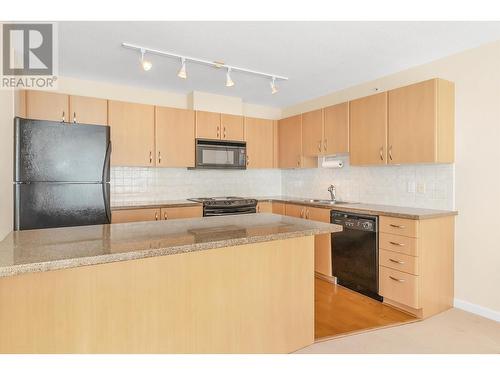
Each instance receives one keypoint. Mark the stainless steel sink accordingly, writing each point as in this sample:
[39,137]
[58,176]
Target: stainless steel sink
[324,201]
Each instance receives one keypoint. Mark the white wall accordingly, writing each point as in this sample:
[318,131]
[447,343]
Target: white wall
[476,74]
[6,161]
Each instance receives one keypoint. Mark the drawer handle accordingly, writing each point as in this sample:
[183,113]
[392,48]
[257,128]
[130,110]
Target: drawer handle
[398,280]
[396,243]
[397,226]
[396,261]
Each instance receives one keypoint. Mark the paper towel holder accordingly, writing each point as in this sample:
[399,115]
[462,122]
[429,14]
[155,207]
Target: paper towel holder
[331,162]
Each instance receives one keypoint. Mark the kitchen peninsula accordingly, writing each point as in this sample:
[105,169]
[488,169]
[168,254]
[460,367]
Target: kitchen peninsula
[222,284]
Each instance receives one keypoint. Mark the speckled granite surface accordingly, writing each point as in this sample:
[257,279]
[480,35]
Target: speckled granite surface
[361,208]
[365,208]
[52,249]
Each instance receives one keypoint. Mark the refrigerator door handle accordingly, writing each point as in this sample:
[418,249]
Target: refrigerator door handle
[107,203]
[105,167]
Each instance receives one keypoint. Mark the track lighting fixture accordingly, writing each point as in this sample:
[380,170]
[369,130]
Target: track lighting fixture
[146,64]
[229,81]
[182,71]
[274,88]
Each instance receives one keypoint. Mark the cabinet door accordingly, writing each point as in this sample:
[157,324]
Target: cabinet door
[290,142]
[295,210]
[128,216]
[279,208]
[86,110]
[132,134]
[336,129]
[174,137]
[264,207]
[368,130]
[322,242]
[260,142]
[170,213]
[232,127]
[208,125]
[51,106]
[412,123]
[312,133]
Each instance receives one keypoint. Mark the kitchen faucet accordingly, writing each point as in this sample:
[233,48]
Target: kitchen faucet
[333,192]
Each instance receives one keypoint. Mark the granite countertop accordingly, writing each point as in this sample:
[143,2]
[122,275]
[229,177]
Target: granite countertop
[127,205]
[52,249]
[366,208]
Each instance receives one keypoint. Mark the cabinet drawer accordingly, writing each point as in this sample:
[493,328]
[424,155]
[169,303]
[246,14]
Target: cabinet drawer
[395,225]
[399,244]
[399,262]
[399,287]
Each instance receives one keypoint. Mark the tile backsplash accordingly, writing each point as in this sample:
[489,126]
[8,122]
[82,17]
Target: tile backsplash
[426,186]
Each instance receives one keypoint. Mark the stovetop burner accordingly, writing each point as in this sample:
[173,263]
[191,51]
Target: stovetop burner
[218,206]
[216,199]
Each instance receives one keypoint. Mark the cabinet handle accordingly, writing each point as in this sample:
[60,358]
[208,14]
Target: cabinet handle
[325,145]
[74,117]
[319,146]
[298,162]
[156,215]
[307,214]
[64,116]
[397,226]
[218,131]
[396,261]
[224,132]
[165,216]
[159,157]
[390,152]
[302,213]
[396,243]
[258,208]
[248,160]
[382,153]
[398,280]
[150,157]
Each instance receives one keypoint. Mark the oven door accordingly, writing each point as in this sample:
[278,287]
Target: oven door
[220,155]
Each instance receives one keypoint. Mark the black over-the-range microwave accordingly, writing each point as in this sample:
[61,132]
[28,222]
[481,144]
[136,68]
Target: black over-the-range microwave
[212,154]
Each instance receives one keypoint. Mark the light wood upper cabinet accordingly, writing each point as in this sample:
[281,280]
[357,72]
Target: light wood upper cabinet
[208,125]
[87,110]
[421,123]
[368,130]
[312,133]
[51,106]
[336,129]
[232,127]
[174,137]
[132,134]
[260,137]
[290,144]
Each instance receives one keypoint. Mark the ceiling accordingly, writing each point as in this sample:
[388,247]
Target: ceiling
[318,57]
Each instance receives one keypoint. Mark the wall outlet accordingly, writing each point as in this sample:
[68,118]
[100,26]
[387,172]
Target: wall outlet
[411,186]
[421,188]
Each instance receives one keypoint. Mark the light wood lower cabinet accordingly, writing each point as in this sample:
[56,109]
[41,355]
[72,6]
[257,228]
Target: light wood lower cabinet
[132,215]
[169,213]
[322,242]
[50,106]
[264,207]
[416,264]
[132,134]
[279,208]
[174,137]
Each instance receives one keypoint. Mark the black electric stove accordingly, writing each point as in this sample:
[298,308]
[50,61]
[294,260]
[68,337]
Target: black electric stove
[220,206]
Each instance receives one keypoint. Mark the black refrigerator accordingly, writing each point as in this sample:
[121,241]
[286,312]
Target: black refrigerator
[61,174]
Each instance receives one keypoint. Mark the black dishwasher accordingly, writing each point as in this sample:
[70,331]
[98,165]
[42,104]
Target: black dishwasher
[355,252]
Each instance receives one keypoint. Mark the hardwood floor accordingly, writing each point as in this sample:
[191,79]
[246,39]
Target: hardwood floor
[339,310]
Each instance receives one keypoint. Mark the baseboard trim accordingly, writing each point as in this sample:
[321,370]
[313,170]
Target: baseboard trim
[477,309]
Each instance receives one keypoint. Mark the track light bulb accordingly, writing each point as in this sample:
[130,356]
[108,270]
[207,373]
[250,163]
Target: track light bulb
[229,81]
[274,88]
[182,71]
[146,64]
